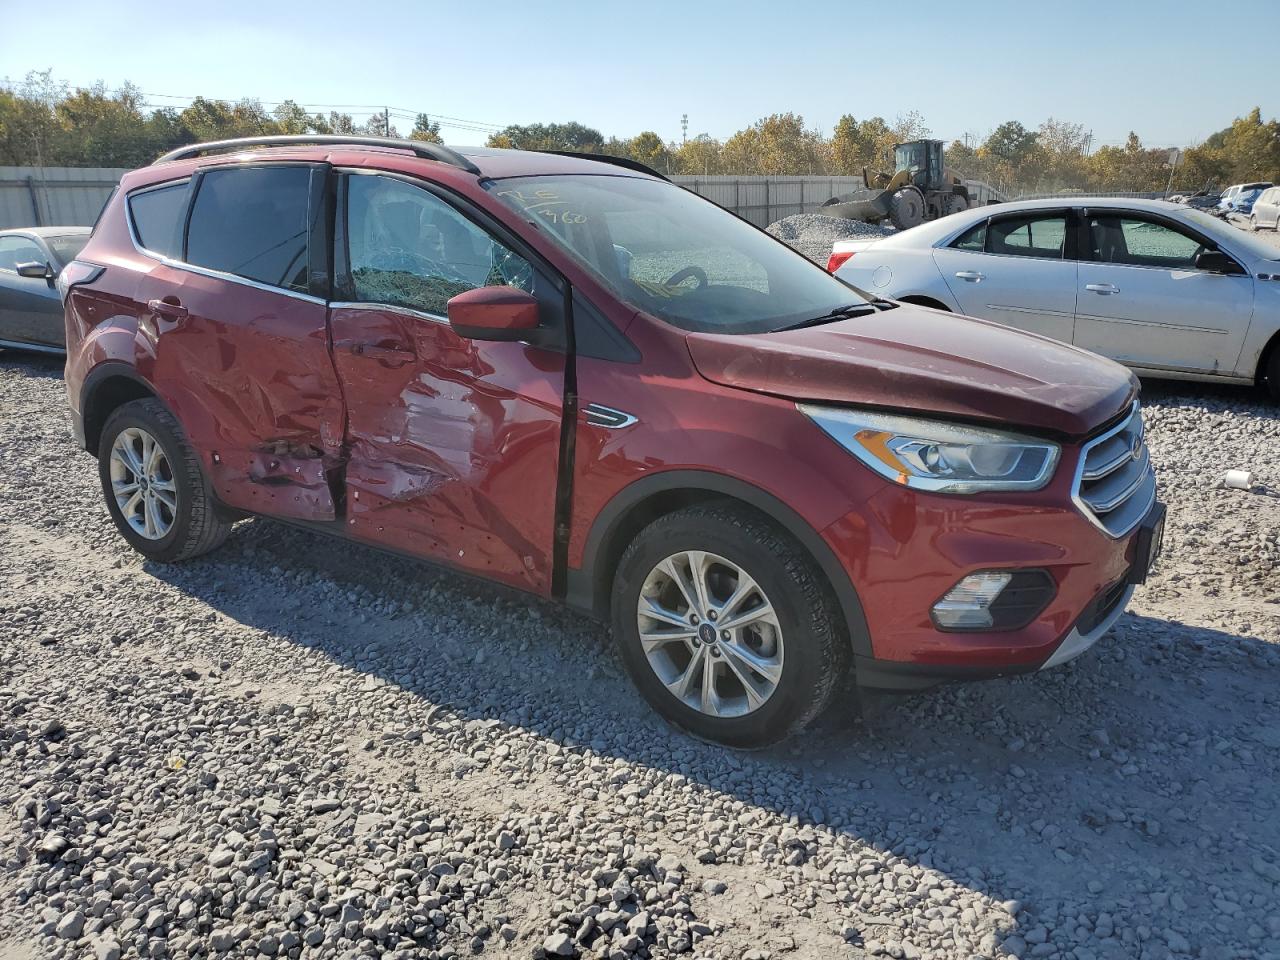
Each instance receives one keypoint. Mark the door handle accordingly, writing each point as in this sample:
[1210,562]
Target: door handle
[973,276]
[169,308]
[1106,289]
[394,356]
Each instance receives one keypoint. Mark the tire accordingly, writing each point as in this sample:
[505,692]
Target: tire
[1253,223]
[1272,375]
[804,646]
[182,495]
[953,203]
[906,208]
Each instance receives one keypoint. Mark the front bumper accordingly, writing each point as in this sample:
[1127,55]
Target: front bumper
[906,677]
[923,544]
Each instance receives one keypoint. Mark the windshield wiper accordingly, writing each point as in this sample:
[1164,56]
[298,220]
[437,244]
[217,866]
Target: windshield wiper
[842,313]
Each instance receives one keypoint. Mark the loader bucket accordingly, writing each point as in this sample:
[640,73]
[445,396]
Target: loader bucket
[869,207]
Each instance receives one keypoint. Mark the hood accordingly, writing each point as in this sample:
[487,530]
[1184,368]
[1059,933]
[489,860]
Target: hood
[927,361]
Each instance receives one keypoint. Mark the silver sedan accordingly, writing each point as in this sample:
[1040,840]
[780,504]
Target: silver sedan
[1165,289]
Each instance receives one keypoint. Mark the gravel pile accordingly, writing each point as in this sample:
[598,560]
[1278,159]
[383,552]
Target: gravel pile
[293,748]
[813,234]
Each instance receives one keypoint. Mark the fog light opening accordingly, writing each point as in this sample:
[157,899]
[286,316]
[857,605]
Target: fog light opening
[967,605]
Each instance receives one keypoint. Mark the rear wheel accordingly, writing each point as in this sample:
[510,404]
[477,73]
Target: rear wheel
[906,208]
[953,203]
[727,626]
[156,492]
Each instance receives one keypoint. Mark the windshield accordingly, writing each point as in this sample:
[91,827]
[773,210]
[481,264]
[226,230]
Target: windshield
[910,157]
[65,249]
[672,254]
[1228,235]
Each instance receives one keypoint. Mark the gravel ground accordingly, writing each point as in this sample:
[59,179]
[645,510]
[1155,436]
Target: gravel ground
[299,748]
[1266,233]
[812,233]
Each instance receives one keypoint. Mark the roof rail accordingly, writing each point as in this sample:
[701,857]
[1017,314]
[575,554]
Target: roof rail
[609,158]
[428,151]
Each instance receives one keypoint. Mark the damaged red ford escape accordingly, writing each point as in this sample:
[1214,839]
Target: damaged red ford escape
[570,376]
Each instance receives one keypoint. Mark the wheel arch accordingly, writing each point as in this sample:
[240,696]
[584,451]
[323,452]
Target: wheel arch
[109,386]
[654,496]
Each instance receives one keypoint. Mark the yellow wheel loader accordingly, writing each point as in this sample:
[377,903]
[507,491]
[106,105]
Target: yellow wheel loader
[919,189]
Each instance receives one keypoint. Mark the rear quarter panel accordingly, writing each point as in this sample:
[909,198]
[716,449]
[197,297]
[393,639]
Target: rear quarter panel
[894,271]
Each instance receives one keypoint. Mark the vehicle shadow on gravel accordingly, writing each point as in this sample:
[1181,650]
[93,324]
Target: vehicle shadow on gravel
[37,366]
[1094,783]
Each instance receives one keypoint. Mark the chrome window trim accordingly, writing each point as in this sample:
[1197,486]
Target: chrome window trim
[193,268]
[394,307]
[1077,481]
[1196,270]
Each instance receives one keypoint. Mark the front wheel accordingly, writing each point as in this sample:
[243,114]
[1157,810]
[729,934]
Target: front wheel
[727,626]
[906,208]
[1253,223]
[156,492]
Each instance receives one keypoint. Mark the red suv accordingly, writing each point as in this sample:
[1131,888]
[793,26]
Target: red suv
[570,376]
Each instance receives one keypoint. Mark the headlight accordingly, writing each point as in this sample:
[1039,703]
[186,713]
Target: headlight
[937,456]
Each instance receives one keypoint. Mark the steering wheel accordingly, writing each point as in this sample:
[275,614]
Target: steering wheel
[680,276]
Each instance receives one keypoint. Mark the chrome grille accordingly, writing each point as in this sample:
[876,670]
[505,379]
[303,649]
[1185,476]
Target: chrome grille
[1115,484]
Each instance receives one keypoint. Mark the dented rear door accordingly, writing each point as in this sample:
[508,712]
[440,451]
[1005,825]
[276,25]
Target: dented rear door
[240,338]
[452,444]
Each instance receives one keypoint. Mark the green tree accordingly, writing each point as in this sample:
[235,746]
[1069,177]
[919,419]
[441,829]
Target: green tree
[29,127]
[700,156]
[379,125]
[1011,142]
[424,129]
[549,136]
[910,126]
[102,130]
[648,148]
[778,144]
[292,119]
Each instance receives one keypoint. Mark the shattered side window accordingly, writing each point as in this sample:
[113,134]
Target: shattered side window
[409,248]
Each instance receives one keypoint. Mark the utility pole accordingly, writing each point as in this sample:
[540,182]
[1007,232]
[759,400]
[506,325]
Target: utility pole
[684,128]
[386,121]
[1088,144]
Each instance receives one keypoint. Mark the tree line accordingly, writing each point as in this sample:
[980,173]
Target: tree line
[45,123]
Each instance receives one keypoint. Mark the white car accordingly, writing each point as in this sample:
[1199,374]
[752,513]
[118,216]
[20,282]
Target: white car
[1165,289]
[1266,210]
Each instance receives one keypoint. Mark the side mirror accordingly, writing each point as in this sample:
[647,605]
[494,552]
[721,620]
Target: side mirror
[494,313]
[1215,261]
[35,270]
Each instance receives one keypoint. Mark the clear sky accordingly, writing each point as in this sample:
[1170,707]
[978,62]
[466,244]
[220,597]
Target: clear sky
[1173,70]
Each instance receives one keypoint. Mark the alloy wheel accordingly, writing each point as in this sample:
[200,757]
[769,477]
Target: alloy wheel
[710,634]
[142,483]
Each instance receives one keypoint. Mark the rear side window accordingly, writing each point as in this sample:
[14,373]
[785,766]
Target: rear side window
[974,238]
[1038,235]
[157,218]
[253,222]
